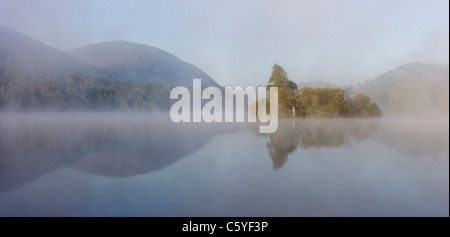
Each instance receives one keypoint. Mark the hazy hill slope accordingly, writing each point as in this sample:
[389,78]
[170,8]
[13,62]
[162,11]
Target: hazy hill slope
[119,75]
[28,59]
[140,63]
[25,58]
[412,89]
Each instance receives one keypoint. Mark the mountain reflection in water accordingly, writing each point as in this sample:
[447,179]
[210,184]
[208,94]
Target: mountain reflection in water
[143,164]
[107,144]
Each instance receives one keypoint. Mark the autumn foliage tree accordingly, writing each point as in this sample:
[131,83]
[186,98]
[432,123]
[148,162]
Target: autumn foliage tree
[361,106]
[318,102]
[279,78]
[322,102]
[286,90]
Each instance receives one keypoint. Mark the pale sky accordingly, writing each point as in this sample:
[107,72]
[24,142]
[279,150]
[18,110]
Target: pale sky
[237,42]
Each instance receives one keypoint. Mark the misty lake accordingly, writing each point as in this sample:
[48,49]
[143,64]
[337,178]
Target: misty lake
[142,164]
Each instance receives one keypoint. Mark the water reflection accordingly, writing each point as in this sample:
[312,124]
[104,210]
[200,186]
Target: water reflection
[316,133]
[415,138]
[121,145]
[109,145]
[336,167]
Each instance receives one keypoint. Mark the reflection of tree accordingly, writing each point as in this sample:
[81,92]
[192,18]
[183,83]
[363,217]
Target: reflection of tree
[281,143]
[315,133]
[322,135]
[361,130]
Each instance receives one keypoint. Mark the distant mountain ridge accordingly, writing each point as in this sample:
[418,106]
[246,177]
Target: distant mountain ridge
[105,76]
[121,60]
[33,60]
[125,75]
[416,89]
[140,63]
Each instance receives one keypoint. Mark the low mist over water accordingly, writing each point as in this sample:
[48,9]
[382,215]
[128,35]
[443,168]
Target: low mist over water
[142,164]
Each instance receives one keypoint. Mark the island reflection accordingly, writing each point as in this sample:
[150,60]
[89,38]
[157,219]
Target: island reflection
[316,133]
[411,137]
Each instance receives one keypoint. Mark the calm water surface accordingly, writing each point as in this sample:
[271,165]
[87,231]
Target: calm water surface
[137,164]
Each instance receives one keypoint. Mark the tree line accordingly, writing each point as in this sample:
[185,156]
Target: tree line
[75,91]
[318,102]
